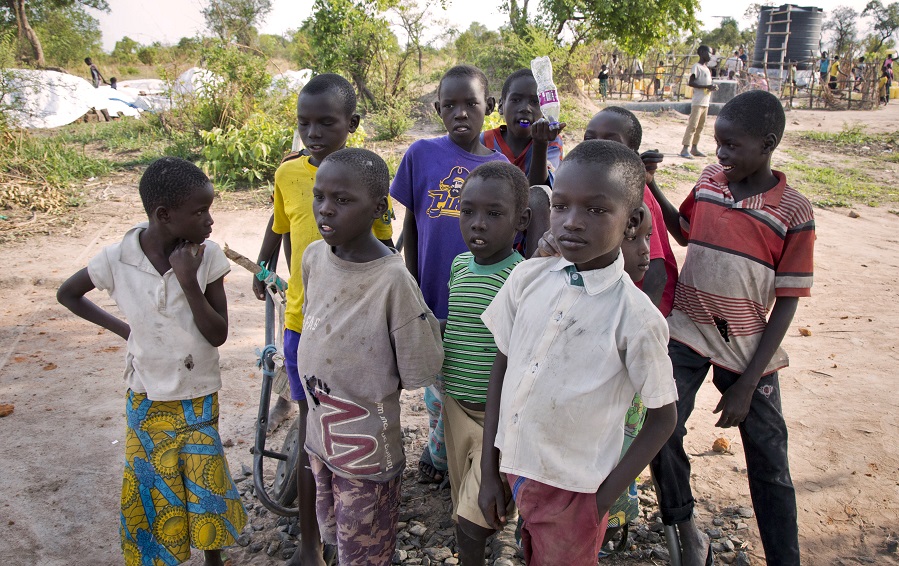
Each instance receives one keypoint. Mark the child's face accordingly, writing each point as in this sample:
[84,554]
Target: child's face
[704,55]
[323,124]
[589,215]
[488,220]
[192,220]
[740,153]
[462,107]
[343,207]
[607,126]
[635,249]
[521,107]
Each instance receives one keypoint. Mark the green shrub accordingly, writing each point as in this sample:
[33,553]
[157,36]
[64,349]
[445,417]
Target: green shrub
[357,138]
[245,156]
[393,119]
[492,121]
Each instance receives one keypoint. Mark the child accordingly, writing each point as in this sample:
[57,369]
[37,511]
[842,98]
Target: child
[621,125]
[113,83]
[701,82]
[493,209]
[177,491]
[427,183]
[576,341]
[750,239]
[326,116]
[367,333]
[834,73]
[96,78]
[603,77]
[528,143]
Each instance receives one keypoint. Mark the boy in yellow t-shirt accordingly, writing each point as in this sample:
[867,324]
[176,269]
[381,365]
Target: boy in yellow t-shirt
[326,116]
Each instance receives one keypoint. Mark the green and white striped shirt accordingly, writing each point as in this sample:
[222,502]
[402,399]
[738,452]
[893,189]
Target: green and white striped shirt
[467,344]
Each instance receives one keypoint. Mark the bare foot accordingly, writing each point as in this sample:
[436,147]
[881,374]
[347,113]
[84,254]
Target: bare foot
[695,549]
[307,557]
[282,411]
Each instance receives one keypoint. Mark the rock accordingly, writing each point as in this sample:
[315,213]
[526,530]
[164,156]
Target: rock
[417,529]
[425,561]
[714,533]
[293,530]
[854,214]
[717,547]
[653,537]
[741,526]
[742,559]
[288,552]
[451,561]
[657,527]
[727,557]
[439,553]
[660,553]
[717,521]
[245,470]
[892,546]
[745,512]
[729,545]
[407,516]
[243,540]
[272,548]
[503,562]
[399,556]
[258,526]
[256,547]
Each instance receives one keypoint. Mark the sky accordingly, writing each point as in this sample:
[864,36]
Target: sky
[146,21]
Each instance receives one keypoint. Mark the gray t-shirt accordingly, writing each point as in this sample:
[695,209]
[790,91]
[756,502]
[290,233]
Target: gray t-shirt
[367,333]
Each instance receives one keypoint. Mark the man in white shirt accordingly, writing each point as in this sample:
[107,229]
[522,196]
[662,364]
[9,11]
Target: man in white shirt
[701,82]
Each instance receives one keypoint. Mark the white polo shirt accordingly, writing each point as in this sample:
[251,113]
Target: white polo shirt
[167,357]
[580,345]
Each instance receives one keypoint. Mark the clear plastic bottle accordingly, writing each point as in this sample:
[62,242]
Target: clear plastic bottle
[542,68]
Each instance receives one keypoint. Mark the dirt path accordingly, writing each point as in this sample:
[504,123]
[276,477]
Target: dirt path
[60,453]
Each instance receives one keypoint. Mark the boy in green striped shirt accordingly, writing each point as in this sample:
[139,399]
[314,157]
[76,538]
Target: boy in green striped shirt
[492,210]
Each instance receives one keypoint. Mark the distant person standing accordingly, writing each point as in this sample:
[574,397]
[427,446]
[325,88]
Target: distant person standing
[113,83]
[743,57]
[701,82]
[603,81]
[714,60]
[824,67]
[734,65]
[660,73]
[887,69]
[96,78]
[834,73]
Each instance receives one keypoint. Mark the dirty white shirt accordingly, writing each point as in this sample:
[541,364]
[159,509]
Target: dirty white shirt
[167,357]
[580,344]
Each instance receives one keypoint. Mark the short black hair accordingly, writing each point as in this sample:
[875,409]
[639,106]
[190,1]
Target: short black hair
[617,159]
[756,112]
[334,84]
[367,165]
[168,182]
[465,72]
[511,78]
[634,133]
[88,60]
[706,48]
[504,171]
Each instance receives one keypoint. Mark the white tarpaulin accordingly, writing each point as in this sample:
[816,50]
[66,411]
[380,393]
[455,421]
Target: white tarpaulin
[194,80]
[291,81]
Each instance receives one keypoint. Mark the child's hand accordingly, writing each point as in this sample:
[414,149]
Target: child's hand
[259,289]
[185,260]
[734,404]
[713,87]
[492,500]
[547,246]
[543,133]
[651,160]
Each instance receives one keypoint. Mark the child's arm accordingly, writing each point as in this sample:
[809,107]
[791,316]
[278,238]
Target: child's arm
[538,202]
[734,404]
[210,309]
[268,252]
[692,82]
[654,281]
[410,243]
[657,428]
[541,135]
[670,213]
[71,295]
[492,496]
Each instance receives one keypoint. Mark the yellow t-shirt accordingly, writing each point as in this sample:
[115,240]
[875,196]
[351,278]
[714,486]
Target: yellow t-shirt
[835,70]
[293,213]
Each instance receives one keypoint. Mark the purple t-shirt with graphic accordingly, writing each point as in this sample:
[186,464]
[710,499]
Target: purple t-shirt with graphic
[428,183]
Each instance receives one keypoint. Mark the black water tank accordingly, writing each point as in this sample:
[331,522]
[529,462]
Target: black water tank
[805,36]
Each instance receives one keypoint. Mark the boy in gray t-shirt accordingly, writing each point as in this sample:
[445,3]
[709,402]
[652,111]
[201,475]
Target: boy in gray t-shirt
[367,333]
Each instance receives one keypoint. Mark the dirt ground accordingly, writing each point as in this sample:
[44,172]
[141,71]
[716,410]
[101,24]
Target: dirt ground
[61,450]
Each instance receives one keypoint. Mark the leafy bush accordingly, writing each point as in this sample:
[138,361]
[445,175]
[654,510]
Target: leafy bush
[245,156]
[494,120]
[357,138]
[393,119]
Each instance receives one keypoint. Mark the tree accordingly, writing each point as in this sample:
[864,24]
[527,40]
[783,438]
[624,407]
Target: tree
[635,25]
[235,20]
[23,14]
[70,34]
[725,37]
[841,23]
[125,50]
[886,20]
[415,21]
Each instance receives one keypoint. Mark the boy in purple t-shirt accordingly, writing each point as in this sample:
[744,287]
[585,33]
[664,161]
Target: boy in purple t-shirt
[428,183]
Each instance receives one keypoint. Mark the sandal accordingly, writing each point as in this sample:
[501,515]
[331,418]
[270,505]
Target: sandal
[427,472]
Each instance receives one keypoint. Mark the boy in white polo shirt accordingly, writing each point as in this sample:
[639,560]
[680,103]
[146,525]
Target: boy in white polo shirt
[576,341]
[167,279]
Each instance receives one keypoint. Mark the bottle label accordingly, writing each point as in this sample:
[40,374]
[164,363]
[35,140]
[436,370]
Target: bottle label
[548,96]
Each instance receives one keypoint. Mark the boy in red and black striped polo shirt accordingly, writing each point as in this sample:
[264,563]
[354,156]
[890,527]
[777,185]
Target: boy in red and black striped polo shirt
[750,239]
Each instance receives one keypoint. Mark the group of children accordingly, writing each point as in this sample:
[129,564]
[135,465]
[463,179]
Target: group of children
[551,377]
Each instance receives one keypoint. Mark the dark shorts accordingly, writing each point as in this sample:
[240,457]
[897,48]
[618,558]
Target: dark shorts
[557,524]
[291,343]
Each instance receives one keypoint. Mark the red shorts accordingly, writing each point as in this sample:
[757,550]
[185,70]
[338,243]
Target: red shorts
[558,526]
